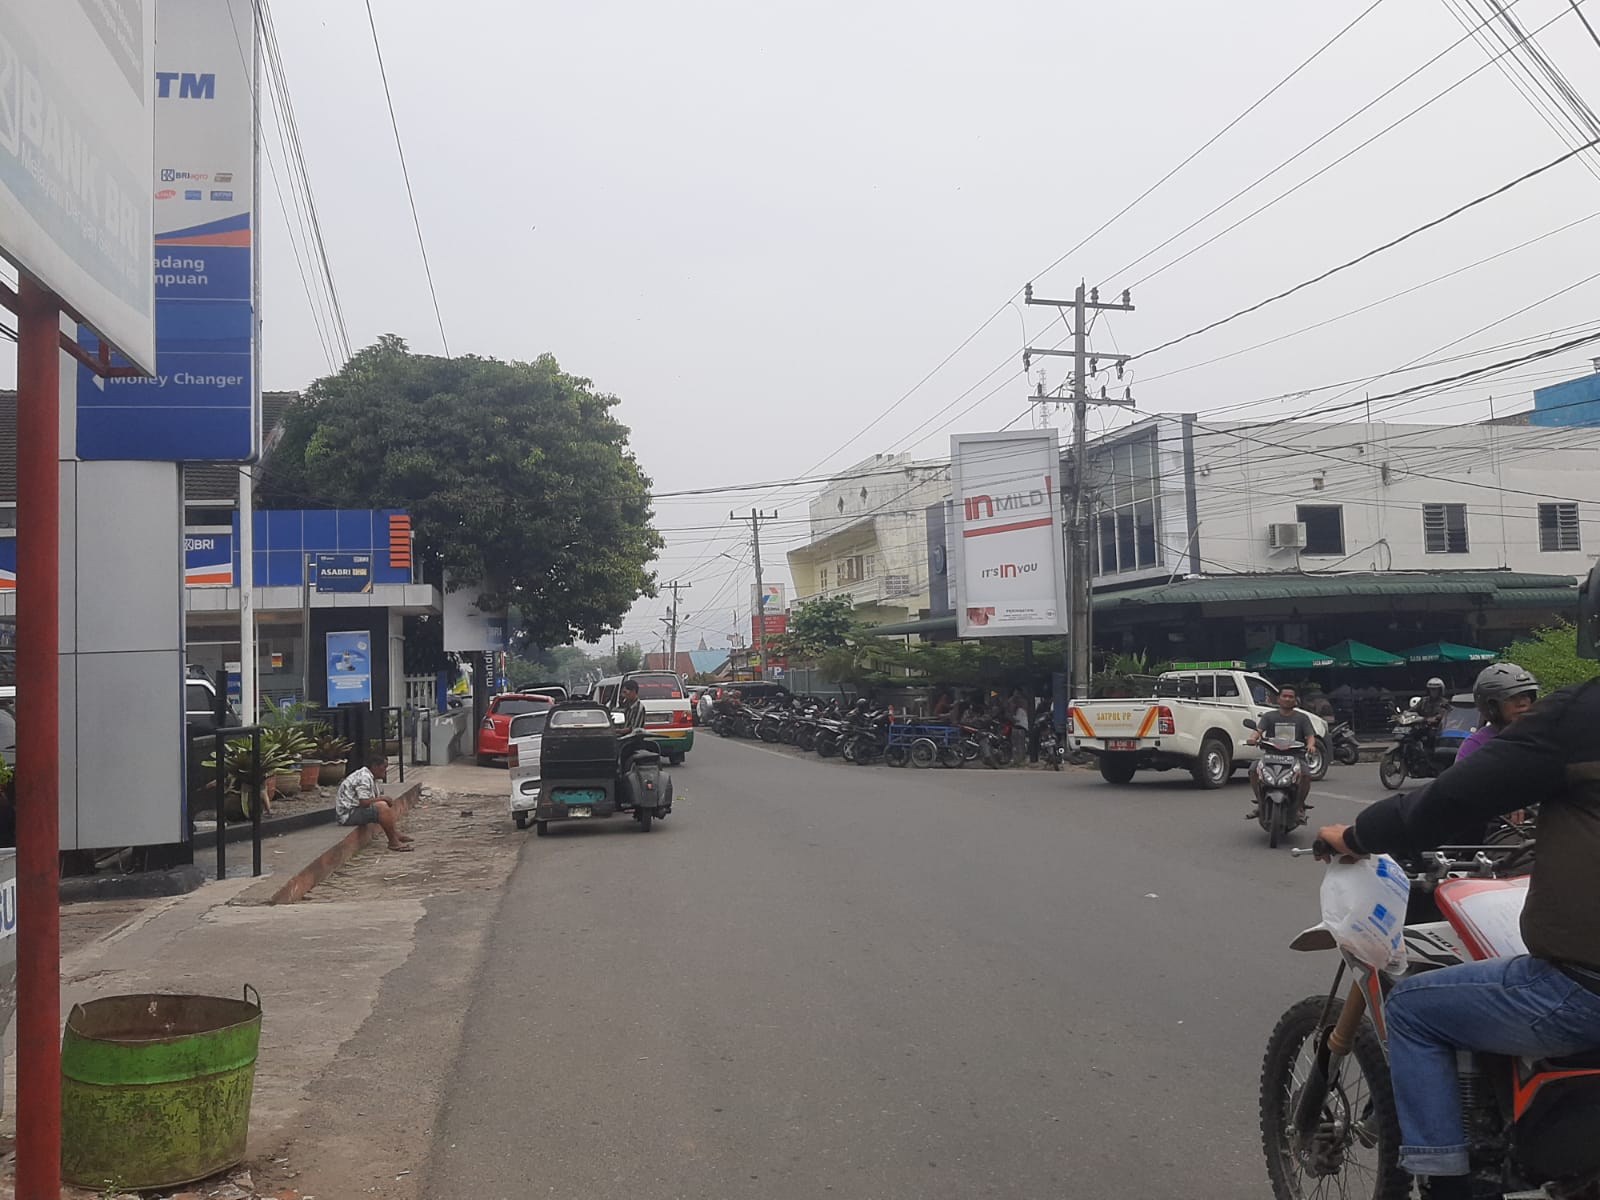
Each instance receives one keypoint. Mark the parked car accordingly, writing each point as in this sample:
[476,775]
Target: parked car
[666,707]
[1195,722]
[493,733]
[759,692]
[524,737]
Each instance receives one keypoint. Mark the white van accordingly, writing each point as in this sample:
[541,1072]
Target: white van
[668,716]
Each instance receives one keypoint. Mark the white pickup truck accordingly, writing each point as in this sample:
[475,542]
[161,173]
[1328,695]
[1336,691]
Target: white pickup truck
[1194,721]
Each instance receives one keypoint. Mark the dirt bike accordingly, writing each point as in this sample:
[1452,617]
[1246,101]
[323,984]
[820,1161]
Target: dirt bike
[1328,1120]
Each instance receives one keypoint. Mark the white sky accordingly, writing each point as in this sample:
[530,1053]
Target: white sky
[761,224]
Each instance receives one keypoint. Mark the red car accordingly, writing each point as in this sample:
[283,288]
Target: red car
[492,733]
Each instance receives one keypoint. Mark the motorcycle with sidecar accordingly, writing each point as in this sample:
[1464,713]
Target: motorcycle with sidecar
[591,769]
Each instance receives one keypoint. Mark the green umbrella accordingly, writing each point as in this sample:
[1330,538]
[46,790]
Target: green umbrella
[1351,653]
[1284,657]
[1448,652]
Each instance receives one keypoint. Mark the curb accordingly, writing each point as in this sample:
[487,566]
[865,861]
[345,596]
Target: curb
[141,885]
[341,852]
[239,831]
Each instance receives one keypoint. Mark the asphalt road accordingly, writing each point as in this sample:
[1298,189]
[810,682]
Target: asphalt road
[823,980]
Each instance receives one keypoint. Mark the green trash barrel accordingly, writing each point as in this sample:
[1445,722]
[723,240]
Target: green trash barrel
[155,1089]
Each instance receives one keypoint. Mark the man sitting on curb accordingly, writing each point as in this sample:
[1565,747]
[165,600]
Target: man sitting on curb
[358,802]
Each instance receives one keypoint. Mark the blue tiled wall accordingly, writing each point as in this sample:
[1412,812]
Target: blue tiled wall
[284,537]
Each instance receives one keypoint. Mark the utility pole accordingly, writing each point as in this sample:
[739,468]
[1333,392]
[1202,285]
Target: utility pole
[1080,581]
[672,659]
[755,518]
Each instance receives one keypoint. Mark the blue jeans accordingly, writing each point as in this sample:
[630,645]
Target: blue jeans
[1520,1007]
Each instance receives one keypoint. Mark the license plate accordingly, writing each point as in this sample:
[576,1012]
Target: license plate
[579,810]
[1122,744]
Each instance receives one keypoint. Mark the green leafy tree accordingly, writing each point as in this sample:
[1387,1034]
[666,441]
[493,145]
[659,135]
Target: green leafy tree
[817,627]
[630,657]
[1552,655]
[517,475]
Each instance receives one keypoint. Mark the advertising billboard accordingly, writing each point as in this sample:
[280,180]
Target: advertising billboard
[1010,578]
[200,404]
[349,668]
[467,628]
[344,572]
[76,96]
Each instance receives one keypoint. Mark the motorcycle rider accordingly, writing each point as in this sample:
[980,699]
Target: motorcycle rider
[1504,692]
[1543,1004]
[1289,723]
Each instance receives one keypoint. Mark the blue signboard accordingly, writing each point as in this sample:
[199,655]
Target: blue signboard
[344,572]
[208,559]
[349,668]
[200,404]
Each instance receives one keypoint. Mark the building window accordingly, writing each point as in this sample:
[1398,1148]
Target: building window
[822,579]
[872,566]
[850,570]
[897,585]
[1444,528]
[1128,535]
[1558,527]
[1324,527]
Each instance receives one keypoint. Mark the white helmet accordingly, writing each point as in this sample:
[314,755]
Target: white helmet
[1436,682]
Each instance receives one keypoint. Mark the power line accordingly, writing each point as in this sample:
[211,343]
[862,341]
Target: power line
[1361,258]
[1296,156]
[406,175]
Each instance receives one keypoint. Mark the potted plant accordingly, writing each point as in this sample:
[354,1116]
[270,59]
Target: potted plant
[249,777]
[333,751]
[288,745]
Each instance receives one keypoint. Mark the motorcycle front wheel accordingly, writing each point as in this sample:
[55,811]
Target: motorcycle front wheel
[1356,1150]
[1347,754]
[1391,770]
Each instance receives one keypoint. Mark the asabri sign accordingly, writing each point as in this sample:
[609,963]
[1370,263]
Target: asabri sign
[200,402]
[1010,577]
[76,88]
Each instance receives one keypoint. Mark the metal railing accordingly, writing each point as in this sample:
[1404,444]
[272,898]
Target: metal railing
[219,740]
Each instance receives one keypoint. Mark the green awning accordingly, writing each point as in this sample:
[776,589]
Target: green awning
[1351,653]
[1448,652]
[1284,657]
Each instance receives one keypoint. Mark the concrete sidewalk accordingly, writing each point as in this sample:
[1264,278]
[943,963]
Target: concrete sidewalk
[319,966]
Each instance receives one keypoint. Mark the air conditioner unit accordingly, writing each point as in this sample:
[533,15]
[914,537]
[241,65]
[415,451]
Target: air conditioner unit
[1290,535]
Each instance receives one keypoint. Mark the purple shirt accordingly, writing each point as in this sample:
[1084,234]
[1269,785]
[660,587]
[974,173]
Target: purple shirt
[1476,741]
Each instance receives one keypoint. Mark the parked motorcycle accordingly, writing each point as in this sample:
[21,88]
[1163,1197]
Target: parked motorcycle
[1277,777]
[1051,748]
[1343,744]
[1328,1120]
[1412,754]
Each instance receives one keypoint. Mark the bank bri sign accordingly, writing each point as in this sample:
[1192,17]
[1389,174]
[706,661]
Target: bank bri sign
[201,403]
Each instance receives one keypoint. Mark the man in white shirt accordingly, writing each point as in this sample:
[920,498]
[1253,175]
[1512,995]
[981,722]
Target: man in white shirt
[358,802]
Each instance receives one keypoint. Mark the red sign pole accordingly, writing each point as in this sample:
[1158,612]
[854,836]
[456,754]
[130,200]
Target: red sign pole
[38,745]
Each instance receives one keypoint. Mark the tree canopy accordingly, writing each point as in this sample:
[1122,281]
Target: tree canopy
[1552,655]
[817,627]
[517,476]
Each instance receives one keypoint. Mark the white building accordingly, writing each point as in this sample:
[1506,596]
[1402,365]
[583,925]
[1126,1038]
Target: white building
[1185,496]
[869,537]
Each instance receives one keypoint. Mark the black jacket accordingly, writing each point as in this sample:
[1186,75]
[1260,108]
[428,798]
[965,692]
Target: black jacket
[1551,757]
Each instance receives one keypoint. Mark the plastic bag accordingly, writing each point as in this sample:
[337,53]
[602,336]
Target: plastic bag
[1364,907]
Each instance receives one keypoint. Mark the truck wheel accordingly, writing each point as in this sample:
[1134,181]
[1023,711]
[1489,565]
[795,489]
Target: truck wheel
[541,828]
[521,819]
[675,760]
[1215,764]
[1117,768]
